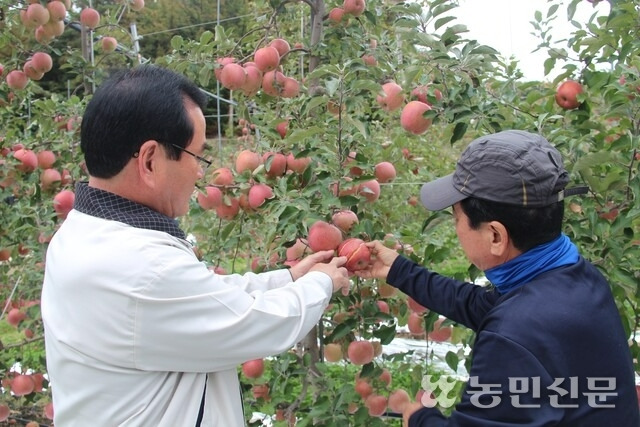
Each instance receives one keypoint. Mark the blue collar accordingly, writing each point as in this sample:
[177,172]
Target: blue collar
[523,268]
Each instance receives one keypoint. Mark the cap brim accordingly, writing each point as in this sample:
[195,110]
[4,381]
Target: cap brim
[440,194]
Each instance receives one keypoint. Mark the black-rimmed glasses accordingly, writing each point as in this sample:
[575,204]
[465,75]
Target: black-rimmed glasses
[206,163]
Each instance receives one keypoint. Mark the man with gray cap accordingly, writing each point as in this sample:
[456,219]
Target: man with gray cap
[550,348]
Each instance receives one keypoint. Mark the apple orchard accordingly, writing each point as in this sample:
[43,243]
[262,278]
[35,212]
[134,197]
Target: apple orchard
[325,119]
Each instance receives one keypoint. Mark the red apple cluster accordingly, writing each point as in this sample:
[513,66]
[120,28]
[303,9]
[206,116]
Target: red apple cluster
[223,195]
[264,72]
[412,117]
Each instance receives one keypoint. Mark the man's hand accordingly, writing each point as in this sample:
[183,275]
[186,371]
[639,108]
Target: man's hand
[338,273]
[305,264]
[381,259]
[408,410]
[324,261]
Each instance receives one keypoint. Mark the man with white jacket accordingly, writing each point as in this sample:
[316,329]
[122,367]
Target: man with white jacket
[138,332]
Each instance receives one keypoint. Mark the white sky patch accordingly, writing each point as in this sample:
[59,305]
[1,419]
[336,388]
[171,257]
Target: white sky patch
[506,26]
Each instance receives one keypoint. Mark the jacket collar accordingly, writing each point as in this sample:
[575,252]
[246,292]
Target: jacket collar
[103,204]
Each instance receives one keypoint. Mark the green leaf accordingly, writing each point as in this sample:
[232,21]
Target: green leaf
[442,21]
[177,42]
[206,37]
[386,334]
[452,360]
[204,75]
[458,131]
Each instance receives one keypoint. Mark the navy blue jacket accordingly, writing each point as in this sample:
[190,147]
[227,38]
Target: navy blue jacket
[552,352]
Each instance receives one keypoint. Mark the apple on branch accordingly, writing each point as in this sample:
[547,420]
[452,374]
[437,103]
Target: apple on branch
[567,94]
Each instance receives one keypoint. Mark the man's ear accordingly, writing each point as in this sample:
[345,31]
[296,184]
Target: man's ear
[499,236]
[148,158]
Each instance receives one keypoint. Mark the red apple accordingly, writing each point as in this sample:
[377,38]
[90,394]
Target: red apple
[46,159]
[222,177]
[233,76]
[363,388]
[282,128]
[290,88]
[344,220]
[298,165]
[50,178]
[421,94]
[37,14]
[391,97]
[273,82]
[324,236]
[253,368]
[28,159]
[415,306]
[211,198]
[439,332]
[275,164]
[247,160]
[4,412]
[415,323]
[258,194]
[357,253]
[89,17]
[412,117]
[57,10]
[221,62]
[42,62]
[385,172]
[63,203]
[109,44]
[21,385]
[360,352]
[267,58]
[567,94]
[336,14]
[370,190]
[260,391]
[15,316]
[376,405]
[369,59]
[398,399]
[297,251]
[253,80]
[354,7]
[48,411]
[31,71]
[137,5]
[230,210]
[281,45]
[17,80]
[333,352]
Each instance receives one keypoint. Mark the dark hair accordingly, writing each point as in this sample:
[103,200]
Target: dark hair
[527,227]
[131,107]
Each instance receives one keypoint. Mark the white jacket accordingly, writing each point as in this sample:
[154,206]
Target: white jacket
[135,324]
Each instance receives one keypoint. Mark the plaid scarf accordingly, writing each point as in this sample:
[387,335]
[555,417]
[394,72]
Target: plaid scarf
[102,204]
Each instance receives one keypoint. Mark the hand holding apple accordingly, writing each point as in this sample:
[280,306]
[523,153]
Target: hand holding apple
[382,258]
[306,263]
[336,270]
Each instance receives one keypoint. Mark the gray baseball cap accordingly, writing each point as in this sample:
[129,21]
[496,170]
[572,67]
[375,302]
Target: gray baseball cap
[511,167]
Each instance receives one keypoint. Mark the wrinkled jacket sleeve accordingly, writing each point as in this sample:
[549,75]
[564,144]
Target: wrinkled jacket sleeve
[211,322]
[462,302]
